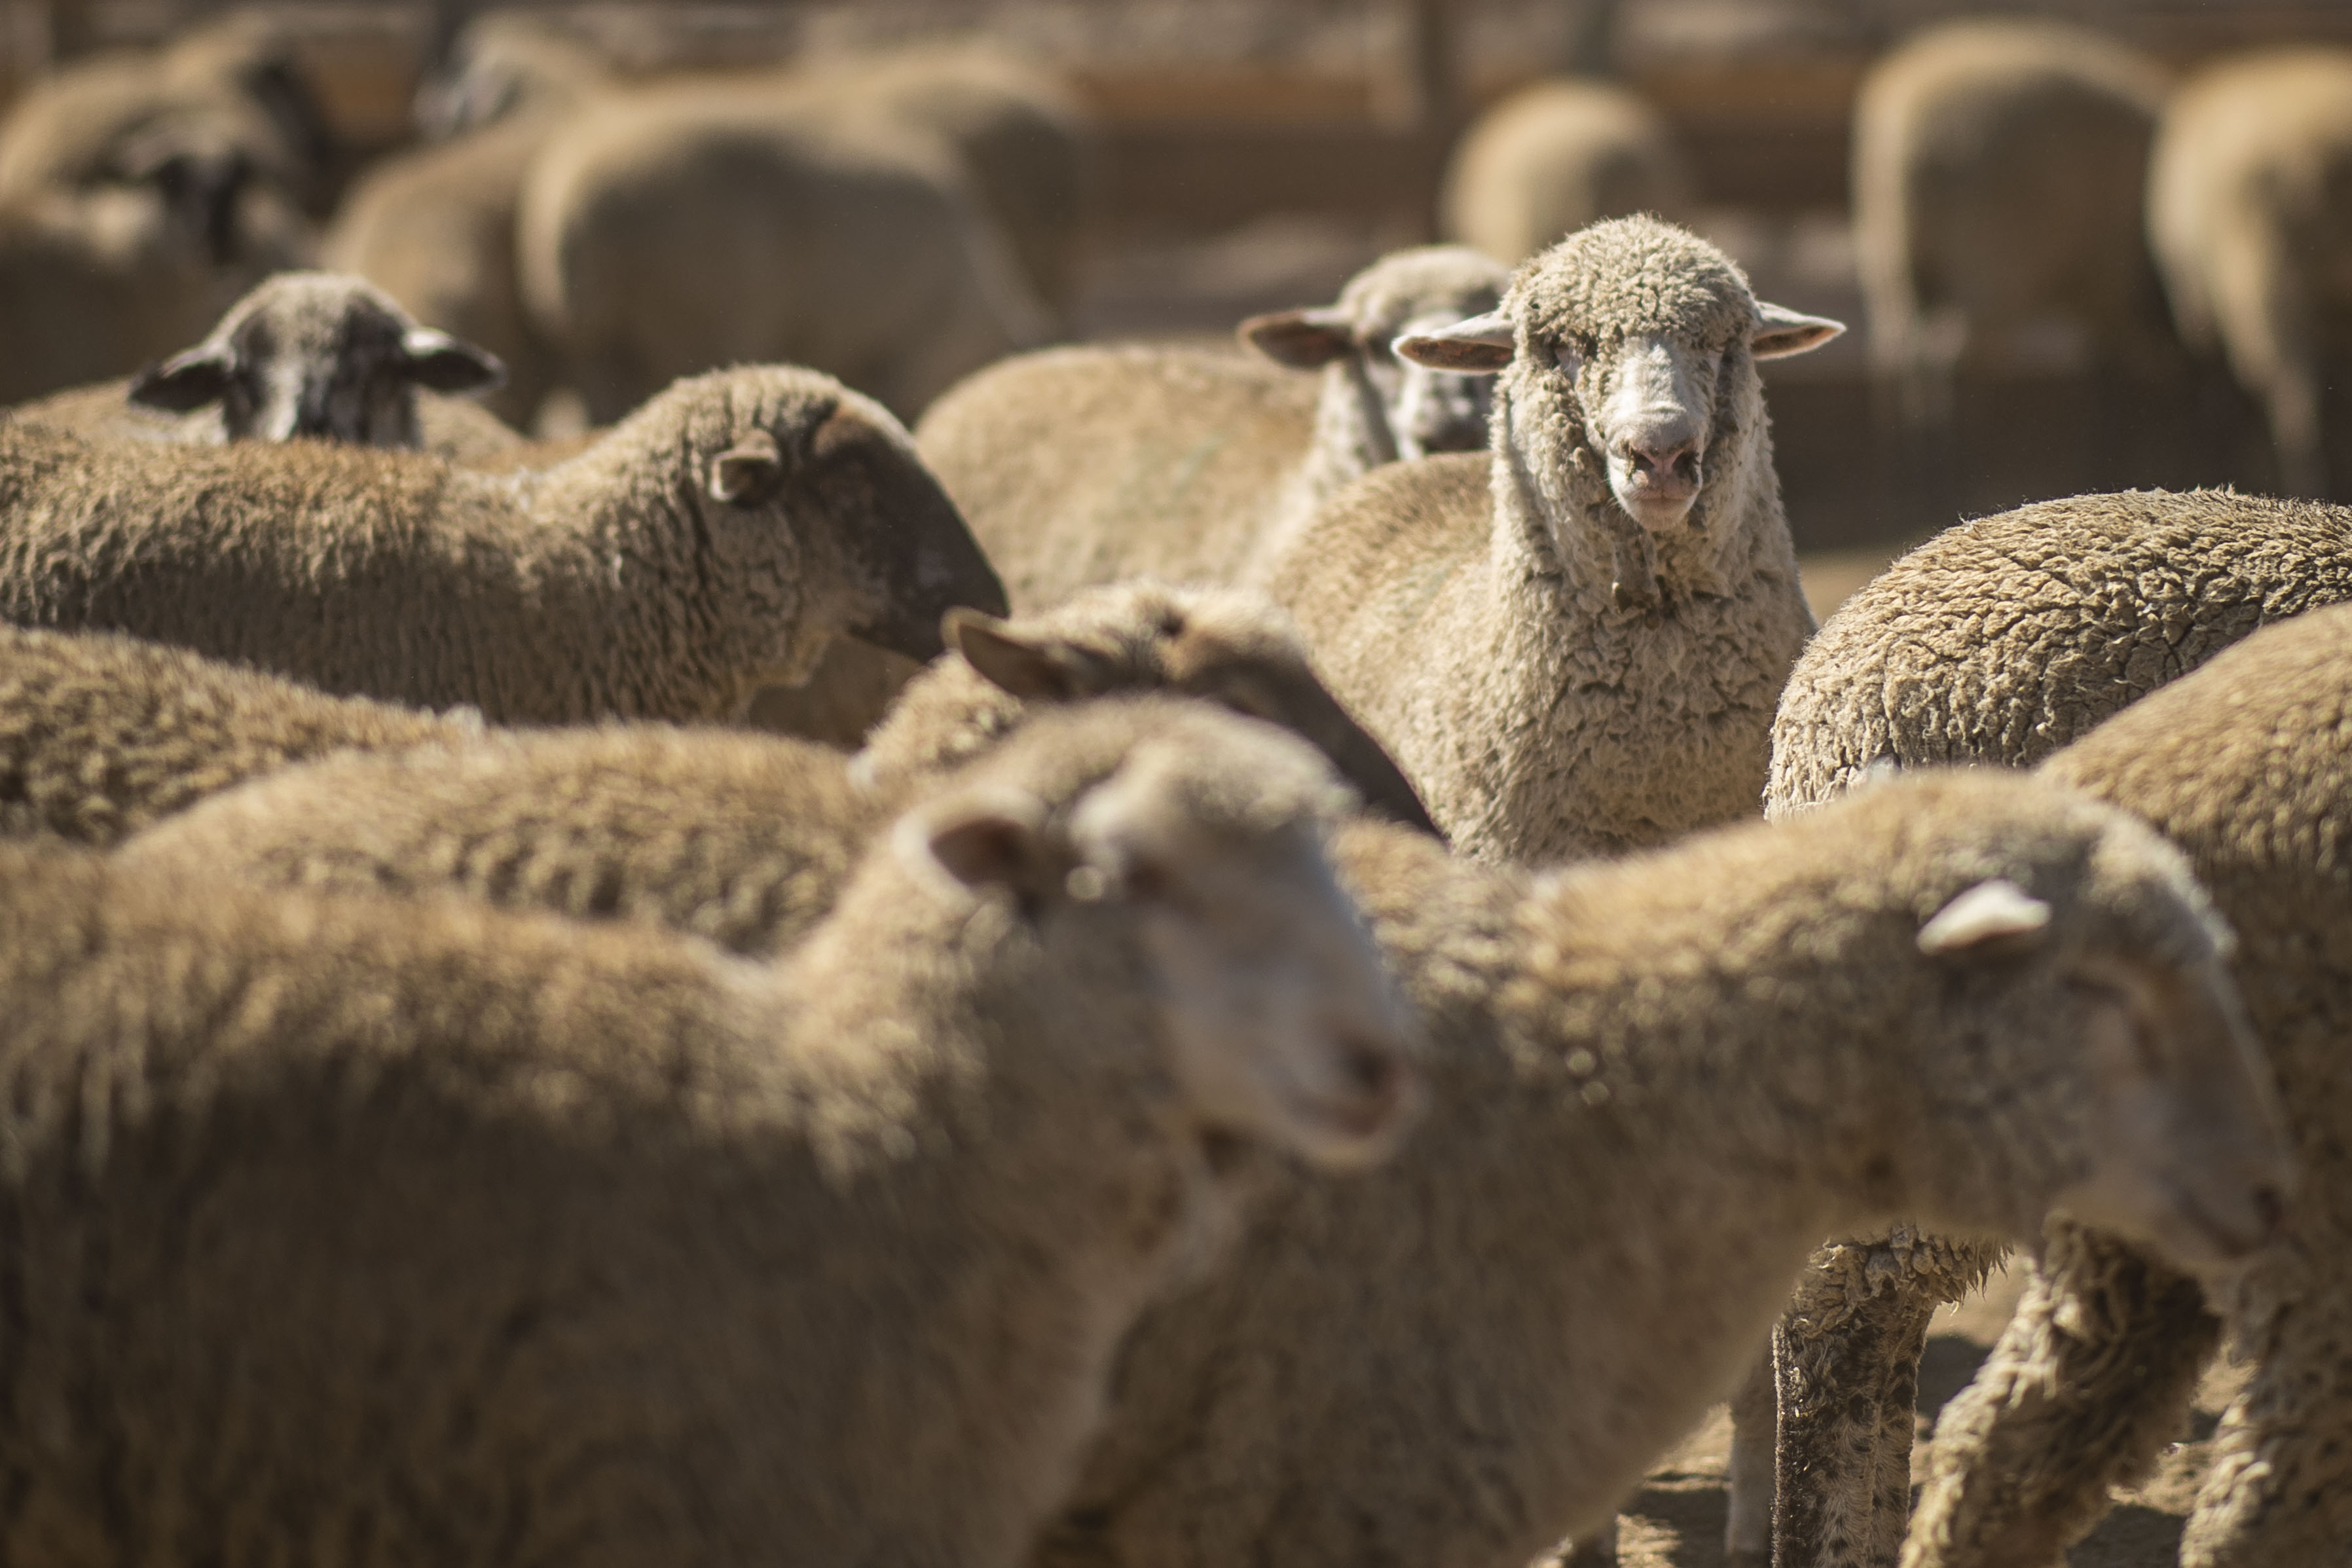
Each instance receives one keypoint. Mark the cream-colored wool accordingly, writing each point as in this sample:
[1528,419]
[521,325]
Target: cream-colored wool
[102,735]
[742,839]
[425,1231]
[1652,1080]
[433,226]
[1999,170]
[1084,466]
[715,540]
[1556,678]
[2245,765]
[1555,156]
[670,228]
[313,354]
[1997,641]
[2249,225]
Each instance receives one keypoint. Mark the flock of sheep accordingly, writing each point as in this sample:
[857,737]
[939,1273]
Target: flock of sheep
[1314,958]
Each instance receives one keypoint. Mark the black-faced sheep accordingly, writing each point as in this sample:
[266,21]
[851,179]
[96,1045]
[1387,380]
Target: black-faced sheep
[438,1232]
[1574,644]
[714,542]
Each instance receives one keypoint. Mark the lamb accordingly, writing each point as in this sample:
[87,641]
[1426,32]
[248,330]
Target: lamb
[1554,157]
[2246,216]
[671,228]
[1997,641]
[744,840]
[1700,1052]
[515,1240]
[435,226]
[102,735]
[2241,763]
[1084,466]
[303,354]
[1574,645]
[713,541]
[1998,167]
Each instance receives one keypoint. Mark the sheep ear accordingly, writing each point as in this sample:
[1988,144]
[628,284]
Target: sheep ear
[1304,339]
[1479,346]
[747,472]
[185,381]
[979,839]
[1994,911]
[1031,671]
[447,364]
[1780,331]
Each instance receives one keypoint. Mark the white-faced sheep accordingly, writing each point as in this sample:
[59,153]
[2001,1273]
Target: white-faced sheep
[742,839]
[1698,1054]
[714,542]
[434,227]
[673,228]
[1997,641]
[1086,466]
[303,354]
[1554,157]
[1998,172]
[102,735]
[446,1233]
[1574,644]
[2244,765]
[2251,223]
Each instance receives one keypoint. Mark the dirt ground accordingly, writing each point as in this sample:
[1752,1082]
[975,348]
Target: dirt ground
[1675,1520]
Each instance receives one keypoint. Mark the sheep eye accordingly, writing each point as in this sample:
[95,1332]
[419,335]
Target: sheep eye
[1570,356]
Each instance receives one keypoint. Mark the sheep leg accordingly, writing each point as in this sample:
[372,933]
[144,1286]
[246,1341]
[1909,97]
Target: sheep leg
[1827,1385]
[1755,1425]
[2090,1379]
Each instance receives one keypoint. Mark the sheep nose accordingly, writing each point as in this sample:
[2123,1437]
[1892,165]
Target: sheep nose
[1668,461]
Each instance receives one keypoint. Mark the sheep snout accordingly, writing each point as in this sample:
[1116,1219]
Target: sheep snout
[1653,434]
[2192,1150]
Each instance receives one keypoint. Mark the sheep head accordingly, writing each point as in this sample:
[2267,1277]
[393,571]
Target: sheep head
[317,354]
[1193,841]
[1627,353]
[1412,409]
[1234,648]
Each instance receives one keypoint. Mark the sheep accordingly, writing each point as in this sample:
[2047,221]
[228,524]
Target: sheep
[1997,641]
[744,840]
[1555,156]
[1998,167]
[1022,137]
[1573,644]
[1083,465]
[2247,218]
[2244,765]
[713,541]
[1697,1053]
[139,195]
[435,226]
[102,735]
[672,228]
[438,1232]
[304,353]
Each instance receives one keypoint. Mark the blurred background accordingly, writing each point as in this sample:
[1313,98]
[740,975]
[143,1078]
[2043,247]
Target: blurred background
[1244,155]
